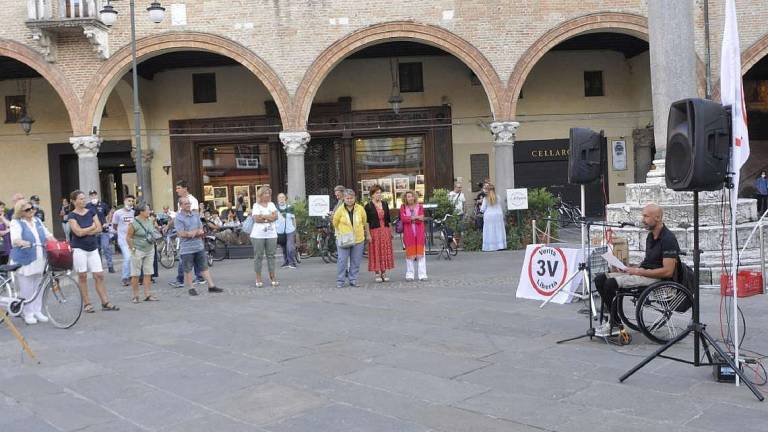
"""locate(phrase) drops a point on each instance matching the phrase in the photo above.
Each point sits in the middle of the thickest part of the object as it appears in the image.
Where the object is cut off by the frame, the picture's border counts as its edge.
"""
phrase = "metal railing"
(65, 9)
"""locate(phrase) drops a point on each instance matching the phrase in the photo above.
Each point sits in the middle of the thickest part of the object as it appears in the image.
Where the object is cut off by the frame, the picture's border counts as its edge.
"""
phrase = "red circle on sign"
(530, 271)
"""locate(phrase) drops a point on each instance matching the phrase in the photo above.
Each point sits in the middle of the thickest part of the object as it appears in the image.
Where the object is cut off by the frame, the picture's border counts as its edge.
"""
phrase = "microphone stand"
(586, 268)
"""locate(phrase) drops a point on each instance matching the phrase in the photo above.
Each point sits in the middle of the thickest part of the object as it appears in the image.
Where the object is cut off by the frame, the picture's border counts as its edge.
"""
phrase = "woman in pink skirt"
(412, 217)
(380, 256)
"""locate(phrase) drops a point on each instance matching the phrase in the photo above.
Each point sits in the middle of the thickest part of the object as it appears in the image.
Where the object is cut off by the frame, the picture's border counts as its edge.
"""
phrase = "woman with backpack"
(412, 226)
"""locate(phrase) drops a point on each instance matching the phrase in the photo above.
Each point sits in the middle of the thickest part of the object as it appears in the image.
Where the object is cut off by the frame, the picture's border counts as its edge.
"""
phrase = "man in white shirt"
(120, 221)
(456, 196)
(182, 190)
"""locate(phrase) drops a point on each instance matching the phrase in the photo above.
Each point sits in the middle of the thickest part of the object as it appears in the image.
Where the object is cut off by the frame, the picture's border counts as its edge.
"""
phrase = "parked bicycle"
(323, 244)
(567, 213)
(215, 248)
(448, 245)
(62, 301)
(167, 248)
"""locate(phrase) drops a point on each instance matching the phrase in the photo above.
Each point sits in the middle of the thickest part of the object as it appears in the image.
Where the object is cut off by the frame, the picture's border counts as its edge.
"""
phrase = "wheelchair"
(660, 311)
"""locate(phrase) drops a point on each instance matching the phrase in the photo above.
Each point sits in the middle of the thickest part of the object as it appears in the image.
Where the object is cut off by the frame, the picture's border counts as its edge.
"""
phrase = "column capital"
(504, 132)
(294, 143)
(86, 145)
(146, 155)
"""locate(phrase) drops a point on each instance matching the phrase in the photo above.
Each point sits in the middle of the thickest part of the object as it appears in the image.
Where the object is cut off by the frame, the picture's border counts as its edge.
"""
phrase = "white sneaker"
(423, 279)
(40, 317)
(604, 330)
(30, 319)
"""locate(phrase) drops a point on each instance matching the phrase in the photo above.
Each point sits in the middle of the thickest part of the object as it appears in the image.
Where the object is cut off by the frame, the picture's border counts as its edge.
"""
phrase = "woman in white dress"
(494, 232)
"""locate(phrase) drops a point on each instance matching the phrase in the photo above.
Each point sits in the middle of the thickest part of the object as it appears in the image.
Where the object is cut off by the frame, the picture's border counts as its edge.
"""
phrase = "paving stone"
(156, 409)
(415, 384)
(27, 387)
(199, 382)
(554, 385)
(266, 403)
(213, 422)
(341, 418)
(68, 412)
(430, 362)
(725, 416)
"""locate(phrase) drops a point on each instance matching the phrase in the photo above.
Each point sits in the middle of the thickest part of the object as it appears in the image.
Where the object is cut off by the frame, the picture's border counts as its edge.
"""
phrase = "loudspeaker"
(698, 145)
(585, 154)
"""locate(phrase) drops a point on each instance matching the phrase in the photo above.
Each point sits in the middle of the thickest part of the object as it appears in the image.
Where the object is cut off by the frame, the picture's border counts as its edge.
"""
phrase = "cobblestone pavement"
(457, 353)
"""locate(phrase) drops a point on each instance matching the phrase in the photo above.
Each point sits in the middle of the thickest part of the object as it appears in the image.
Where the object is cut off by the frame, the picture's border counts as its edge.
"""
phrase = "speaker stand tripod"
(701, 339)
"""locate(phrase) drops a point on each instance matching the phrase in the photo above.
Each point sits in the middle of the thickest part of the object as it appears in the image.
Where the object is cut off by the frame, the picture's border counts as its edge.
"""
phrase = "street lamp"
(26, 123)
(109, 17)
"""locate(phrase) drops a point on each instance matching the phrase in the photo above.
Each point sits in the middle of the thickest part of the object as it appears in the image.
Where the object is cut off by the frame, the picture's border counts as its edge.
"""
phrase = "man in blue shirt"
(189, 229)
(761, 184)
(102, 210)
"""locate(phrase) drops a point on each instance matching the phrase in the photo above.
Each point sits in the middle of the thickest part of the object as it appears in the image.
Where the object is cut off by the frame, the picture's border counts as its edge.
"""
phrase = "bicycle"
(62, 301)
(324, 246)
(215, 248)
(448, 245)
(168, 248)
(567, 213)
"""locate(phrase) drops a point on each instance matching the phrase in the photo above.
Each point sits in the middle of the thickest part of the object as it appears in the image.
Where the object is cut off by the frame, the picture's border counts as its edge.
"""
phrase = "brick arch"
(749, 58)
(120, 62)
(50, 73)
(393, 31)
(634, 25)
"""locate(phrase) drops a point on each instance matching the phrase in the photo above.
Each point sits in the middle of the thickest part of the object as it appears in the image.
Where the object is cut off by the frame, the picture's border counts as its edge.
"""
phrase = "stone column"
(295, 144)
(673, 61)
(87, 149)
(146, 156)
(504, 157)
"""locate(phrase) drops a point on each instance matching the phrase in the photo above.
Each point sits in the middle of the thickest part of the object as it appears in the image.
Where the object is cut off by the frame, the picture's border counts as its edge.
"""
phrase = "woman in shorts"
(84, 239)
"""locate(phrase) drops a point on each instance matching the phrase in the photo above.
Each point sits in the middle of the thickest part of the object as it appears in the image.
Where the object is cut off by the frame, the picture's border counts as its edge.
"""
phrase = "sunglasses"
(27, 209)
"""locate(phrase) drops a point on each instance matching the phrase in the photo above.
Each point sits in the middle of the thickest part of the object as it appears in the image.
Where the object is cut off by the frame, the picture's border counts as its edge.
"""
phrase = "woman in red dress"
(380, 256)
(412, 216)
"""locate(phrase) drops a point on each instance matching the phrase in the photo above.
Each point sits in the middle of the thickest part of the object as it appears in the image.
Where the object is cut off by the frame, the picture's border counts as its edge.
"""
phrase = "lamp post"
(156, 14)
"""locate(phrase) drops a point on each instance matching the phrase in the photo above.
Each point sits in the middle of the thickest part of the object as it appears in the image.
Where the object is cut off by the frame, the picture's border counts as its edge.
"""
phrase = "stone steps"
(710, 237)
(710, 213)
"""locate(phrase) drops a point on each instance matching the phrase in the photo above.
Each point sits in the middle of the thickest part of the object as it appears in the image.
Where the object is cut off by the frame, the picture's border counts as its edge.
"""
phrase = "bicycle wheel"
(627, 303)
(167, 256)
(664, 311)
(62, 301)
(322, 247)
(219, 250)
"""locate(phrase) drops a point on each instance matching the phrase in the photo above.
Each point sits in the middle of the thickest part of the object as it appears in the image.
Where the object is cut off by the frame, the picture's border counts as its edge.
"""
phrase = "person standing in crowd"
(380, 255)
(264, 234)
(5, 236)
(35, 200)
(412, 216)
(28, 236)
(141, 240)
(286, 231)
(64, 211)
(494, 233)
(121, 219)
(761, 184)
(338, 193)
(182, 191)
(240, 207)
(351, 226)
(456, 197)
(189, 228)
(479, 204)
(86, 229)
(101, 209)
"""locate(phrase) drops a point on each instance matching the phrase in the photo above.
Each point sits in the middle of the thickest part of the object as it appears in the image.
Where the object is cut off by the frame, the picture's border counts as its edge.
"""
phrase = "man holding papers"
(661, 254)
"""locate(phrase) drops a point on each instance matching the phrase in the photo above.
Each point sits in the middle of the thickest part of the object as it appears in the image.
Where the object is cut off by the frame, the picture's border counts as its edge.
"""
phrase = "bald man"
(661, 255)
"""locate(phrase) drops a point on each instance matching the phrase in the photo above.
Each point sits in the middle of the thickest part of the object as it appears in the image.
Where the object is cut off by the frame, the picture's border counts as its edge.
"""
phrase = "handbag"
(345, 240)
(248, 225)
(399, 226)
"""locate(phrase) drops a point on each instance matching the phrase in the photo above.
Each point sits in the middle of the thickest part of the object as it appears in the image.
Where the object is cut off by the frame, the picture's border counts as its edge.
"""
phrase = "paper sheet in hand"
(613, 261)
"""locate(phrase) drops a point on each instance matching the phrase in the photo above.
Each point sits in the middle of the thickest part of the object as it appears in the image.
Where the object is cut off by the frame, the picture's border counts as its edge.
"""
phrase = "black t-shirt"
(86, 243)
(657, 249)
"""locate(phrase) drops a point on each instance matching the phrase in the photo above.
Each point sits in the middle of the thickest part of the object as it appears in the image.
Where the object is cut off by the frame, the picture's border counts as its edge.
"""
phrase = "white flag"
(732, 90)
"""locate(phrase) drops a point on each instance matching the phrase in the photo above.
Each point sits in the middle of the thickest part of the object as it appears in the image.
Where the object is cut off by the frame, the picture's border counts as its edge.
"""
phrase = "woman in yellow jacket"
(351, 226)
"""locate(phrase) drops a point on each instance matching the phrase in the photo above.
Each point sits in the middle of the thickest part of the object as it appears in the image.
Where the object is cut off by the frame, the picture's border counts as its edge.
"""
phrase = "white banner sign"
(517, 199)
(545, 268)
(319, 205)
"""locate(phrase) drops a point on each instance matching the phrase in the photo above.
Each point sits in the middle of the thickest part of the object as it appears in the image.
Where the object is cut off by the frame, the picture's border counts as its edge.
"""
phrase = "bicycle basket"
(59, 254)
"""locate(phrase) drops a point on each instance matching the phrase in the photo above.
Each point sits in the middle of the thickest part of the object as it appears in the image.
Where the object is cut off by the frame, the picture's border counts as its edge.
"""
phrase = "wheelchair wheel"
(627, 303)
(664, 310)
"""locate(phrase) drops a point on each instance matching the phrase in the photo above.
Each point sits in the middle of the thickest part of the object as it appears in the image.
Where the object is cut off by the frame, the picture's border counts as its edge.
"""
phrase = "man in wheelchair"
(662, 254)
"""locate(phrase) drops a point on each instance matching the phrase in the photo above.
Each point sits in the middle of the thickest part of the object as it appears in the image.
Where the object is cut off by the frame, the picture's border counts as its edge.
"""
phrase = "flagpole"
(734, 268)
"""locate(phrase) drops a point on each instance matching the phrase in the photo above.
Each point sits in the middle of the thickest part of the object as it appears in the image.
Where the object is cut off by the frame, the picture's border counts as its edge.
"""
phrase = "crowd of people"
(90, 226)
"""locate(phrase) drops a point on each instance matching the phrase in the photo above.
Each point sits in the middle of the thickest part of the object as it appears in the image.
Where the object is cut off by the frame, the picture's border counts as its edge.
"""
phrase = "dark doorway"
(544, 163)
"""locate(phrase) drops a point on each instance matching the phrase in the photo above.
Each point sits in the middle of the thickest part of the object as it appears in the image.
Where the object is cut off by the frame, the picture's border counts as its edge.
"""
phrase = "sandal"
(88, 308)
(275, 283)
(151, 298)
(135, 300)
(379, 279)
(109, 307)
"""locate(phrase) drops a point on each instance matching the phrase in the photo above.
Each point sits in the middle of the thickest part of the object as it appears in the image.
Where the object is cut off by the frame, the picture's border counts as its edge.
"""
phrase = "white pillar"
(87, 149)
(295, 144)
(504, 157)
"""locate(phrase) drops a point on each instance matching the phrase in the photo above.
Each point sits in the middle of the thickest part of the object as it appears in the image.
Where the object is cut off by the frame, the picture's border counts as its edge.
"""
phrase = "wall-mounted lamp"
(167, 167)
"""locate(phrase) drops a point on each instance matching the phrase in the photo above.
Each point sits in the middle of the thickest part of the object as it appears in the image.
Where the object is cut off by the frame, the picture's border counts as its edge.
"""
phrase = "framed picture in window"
(207, 193)
(245, 191)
